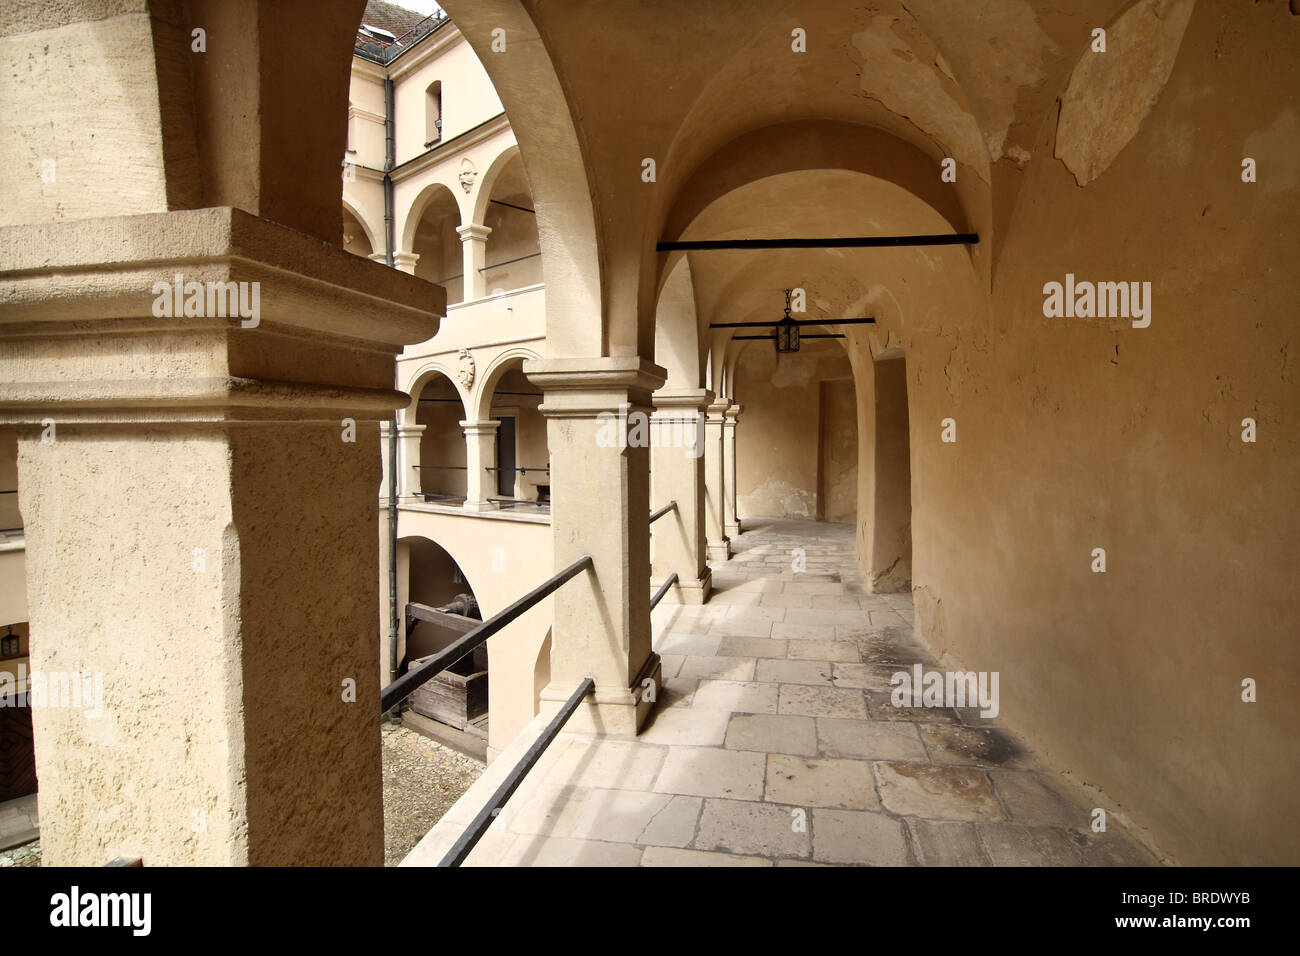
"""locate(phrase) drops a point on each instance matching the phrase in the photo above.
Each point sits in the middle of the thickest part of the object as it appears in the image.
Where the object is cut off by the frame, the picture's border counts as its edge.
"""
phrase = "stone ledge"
(90, 269)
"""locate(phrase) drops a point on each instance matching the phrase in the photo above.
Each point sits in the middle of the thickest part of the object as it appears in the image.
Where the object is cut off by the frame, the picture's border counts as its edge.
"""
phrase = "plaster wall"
(779, 440)
(1075, 434)
(502, 557)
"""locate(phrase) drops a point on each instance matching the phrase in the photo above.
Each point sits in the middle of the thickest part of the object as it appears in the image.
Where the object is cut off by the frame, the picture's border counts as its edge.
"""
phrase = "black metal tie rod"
(478, 826)
(845, 242)
(398, 690)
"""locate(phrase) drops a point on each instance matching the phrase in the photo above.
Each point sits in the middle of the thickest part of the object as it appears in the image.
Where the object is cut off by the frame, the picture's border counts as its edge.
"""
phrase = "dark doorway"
(506, 458)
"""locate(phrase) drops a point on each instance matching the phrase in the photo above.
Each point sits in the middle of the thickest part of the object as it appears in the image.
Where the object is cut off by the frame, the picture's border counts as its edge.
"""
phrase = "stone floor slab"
(712, 772)
(936, 793)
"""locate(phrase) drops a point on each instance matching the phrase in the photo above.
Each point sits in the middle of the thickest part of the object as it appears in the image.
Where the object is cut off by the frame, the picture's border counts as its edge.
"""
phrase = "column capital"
(487, 427)
(732, 413)
(262, 309)
(676, 398)
(584, 387)
(473, 231)
(404, 261)
(405, 431)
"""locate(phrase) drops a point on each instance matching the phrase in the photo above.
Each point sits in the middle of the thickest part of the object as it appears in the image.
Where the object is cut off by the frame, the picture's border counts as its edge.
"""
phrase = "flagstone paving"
(775, 742)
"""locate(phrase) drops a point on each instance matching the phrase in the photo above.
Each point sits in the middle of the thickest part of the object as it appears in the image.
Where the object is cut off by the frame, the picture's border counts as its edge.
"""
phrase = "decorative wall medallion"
(466, 371)
(467, 175)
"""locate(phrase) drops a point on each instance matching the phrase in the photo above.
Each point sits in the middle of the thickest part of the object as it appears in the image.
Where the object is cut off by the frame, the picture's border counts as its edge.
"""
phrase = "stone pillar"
(480, 456)
(408, 457)
(200, 510)
(732, 521)
(405, 261)
(677, 474)
(719, 545)
(600, 505)
(473, 240)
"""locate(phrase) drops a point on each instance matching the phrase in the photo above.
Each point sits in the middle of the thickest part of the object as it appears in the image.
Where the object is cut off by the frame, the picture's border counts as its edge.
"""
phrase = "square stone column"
(677, 474)
(473, 244)
(600, 506)
(408, 457)
(200, 509)
(718, 544)
(731, 523)
(480, 457)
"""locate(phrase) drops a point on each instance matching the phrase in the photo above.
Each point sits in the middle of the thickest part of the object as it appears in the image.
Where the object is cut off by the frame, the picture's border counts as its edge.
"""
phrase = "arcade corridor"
(775, 742)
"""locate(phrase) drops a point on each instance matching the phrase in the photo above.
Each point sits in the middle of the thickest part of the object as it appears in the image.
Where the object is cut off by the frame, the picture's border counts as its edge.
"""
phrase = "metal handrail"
(656, 515)
(401, 688)
(663, 589)
(478, 826)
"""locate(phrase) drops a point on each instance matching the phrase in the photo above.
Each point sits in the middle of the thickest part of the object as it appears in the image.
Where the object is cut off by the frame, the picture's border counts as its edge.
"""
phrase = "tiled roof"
(389, 16)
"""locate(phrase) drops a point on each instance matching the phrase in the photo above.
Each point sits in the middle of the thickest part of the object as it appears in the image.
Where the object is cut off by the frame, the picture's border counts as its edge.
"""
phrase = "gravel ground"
(422, 779)
(29, 854)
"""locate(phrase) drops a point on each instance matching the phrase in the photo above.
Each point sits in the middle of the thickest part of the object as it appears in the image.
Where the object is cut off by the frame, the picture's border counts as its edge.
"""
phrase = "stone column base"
(719, 550)
(733, 529)
(688, 592)
(608, 711)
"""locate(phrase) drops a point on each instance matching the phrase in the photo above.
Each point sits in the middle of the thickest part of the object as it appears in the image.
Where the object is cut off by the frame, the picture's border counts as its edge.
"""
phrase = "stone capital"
(473, 232)
(682, 398)
(281, 326)
(583, 388)
(479, 428)
(403, 261)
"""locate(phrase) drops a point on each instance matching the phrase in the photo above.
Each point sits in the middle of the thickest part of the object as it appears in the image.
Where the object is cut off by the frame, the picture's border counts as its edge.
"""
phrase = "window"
(433, 113)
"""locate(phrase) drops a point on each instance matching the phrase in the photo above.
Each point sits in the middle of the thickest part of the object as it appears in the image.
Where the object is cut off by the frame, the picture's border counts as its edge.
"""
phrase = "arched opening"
(797, 446)
(443, 463)
(355, 238)
(513, 253)
(435, 241)
(523, 476)
(441, 607)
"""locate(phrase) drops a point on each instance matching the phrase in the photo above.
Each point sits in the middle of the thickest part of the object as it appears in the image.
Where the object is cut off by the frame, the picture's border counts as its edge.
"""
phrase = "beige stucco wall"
(502, 557)
(1074, 434)
(781, 434)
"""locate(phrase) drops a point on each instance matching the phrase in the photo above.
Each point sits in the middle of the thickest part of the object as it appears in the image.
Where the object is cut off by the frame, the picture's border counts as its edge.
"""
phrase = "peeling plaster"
(1111, 93)
(996, 52)
(913, 89)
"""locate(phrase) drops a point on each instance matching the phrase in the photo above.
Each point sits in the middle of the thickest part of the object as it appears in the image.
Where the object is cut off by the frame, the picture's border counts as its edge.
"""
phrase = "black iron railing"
(401, 688)
(478, 826)
(377, 49)
(656, 515)
(663, 589)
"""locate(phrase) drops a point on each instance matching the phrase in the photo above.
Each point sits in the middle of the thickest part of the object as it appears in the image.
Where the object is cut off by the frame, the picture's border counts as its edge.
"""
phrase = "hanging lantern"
(9, 644)
(786, 332)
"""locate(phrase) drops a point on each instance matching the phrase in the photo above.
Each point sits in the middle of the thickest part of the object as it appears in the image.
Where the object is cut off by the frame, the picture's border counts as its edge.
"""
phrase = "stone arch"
(355, 210)
(570, 236)
(421, 378)
(425, 198)
(483, 192)
(482, 404)
(679, 344)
